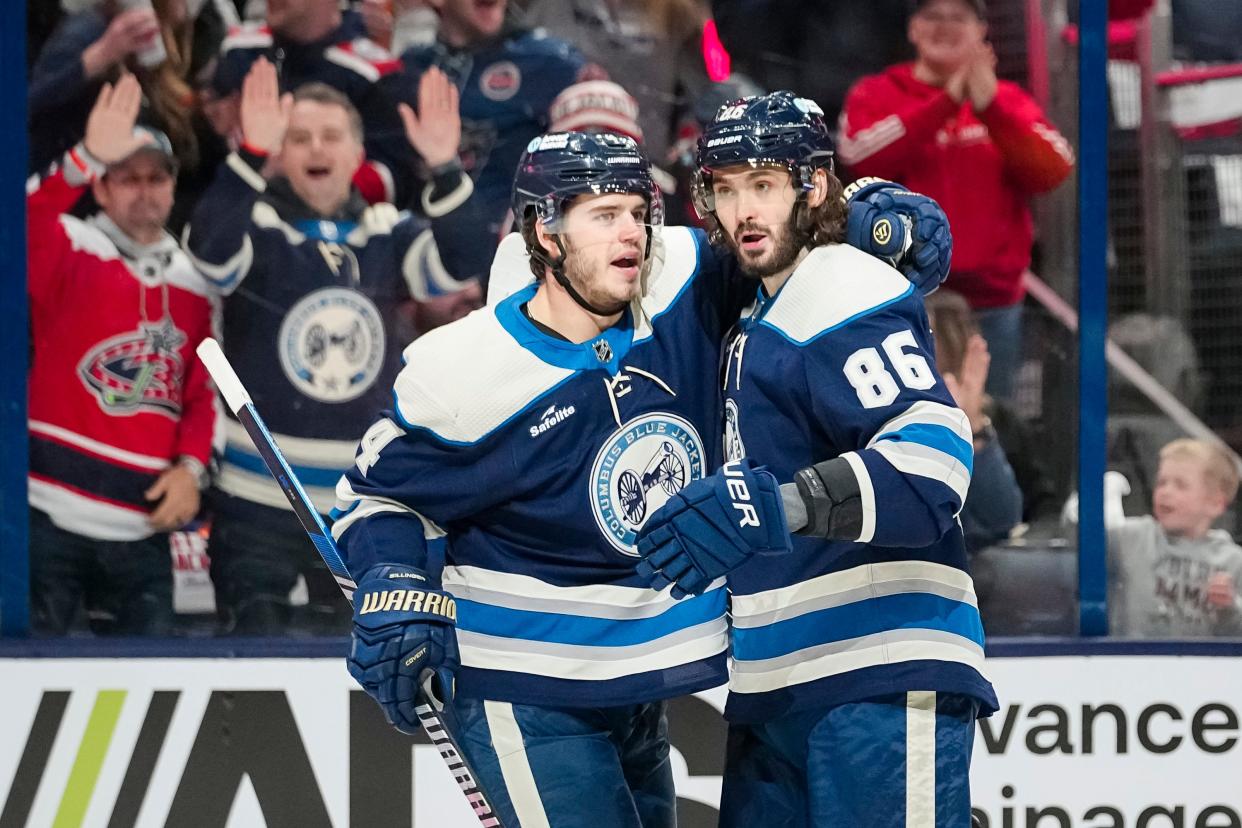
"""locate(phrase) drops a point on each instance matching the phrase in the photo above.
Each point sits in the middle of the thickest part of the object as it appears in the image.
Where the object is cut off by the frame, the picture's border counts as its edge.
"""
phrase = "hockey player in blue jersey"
(526, 446)
(535, 437)
(857, 658)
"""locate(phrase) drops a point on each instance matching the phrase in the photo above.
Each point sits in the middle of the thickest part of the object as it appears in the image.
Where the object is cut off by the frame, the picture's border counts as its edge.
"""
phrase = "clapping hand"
(981, 80)
(975, 79)
(435, 130)
(967, 385)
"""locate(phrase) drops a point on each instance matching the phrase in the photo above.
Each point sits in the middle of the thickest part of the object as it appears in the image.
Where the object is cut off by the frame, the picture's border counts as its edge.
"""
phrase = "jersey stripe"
(887, 648)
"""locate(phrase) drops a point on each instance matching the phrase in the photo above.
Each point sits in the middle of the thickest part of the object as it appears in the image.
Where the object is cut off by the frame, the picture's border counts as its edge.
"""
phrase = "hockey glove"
(905, 229)
(712, 527)
(404, 634)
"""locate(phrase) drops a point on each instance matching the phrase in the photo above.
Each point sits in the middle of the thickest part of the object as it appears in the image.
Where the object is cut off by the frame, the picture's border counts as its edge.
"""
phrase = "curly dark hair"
(825, 224)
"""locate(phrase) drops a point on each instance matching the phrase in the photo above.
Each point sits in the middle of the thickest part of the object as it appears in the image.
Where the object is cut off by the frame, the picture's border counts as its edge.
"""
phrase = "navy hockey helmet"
(778, 129)
(558, 167)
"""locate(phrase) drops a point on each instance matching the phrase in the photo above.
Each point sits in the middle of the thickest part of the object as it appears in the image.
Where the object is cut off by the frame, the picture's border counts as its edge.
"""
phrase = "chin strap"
(557, 266)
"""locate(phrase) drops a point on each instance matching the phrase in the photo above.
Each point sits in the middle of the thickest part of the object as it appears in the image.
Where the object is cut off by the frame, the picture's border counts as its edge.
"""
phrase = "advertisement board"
(1079, 741)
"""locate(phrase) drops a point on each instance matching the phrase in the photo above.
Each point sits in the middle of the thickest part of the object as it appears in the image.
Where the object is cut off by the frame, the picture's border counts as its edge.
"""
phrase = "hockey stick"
(240, 403)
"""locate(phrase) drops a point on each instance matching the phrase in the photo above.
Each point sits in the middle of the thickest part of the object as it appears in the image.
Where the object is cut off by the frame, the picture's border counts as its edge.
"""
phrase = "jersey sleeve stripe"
(933, 436)
(866, 494)
(921, 461)
(932, 413)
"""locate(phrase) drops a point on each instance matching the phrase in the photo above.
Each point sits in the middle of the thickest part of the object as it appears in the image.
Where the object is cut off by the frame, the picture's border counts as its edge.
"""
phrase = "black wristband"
(833, 500)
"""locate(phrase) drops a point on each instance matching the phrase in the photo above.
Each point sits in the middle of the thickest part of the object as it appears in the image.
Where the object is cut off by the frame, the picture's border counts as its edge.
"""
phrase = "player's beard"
(787, 245)
(578, 272)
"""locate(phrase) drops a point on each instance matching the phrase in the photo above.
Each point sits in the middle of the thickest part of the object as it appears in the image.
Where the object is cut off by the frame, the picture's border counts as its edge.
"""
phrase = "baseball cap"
(153, 140)
(978, 6)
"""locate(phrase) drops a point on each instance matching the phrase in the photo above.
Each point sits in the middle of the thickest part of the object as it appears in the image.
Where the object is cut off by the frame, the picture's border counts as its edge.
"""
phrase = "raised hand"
(110, 126)
(435, 130)
(264, 112)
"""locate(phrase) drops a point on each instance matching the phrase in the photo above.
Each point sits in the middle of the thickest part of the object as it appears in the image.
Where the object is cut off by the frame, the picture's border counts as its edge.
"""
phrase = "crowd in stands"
(318, 182)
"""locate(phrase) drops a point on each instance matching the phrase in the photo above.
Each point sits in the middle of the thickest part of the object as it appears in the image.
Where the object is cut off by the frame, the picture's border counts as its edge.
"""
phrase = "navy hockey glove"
(905, 229)
(712, 527)
(404, 634)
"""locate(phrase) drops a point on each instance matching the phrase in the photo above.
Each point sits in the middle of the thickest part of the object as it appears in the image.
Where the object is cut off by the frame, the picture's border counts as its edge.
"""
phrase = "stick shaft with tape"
(240, 404)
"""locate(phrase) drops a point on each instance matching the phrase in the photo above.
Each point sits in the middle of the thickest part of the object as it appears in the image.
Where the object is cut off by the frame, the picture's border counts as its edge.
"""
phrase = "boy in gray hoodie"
(1170, 574)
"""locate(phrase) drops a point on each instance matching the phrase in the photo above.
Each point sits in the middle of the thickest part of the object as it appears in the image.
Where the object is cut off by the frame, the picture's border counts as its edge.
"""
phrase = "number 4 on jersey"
(874, 383)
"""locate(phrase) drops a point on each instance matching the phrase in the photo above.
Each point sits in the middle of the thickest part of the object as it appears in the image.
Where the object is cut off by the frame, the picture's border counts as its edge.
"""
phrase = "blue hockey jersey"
(312, 321)
(506, 89)
(537, 460)
(840, 363)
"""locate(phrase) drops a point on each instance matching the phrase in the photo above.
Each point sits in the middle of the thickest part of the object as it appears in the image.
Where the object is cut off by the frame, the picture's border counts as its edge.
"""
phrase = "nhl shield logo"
(603, 351)
(332, 345)
(640, 466)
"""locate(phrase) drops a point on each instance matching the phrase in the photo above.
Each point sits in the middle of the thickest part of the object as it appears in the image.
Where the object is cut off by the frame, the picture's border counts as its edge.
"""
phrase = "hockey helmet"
(557, 167)
(778, 128)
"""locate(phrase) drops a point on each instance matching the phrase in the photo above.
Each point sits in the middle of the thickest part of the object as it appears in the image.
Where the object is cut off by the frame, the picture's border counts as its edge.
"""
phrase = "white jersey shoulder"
(466, 379)
(674, 261)
(833, 285)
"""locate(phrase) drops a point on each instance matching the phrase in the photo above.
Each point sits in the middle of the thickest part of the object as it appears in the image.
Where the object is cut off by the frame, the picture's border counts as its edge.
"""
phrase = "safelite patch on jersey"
(639, 467)
(332, 344)
(500, 81)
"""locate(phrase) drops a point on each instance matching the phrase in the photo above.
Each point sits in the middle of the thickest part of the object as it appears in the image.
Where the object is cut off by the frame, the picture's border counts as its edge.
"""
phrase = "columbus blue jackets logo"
(733, 447)
(135, 372)
(643, 464)
(332, 344)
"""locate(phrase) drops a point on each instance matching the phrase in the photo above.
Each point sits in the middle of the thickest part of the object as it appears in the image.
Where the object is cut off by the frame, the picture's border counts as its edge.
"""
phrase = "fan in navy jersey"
(509, 76)
(316, 284)
(857, 667)
(491, 515)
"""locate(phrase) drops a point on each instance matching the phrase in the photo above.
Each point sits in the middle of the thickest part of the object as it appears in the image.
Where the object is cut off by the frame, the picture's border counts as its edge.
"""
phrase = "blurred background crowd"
(294, 189)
